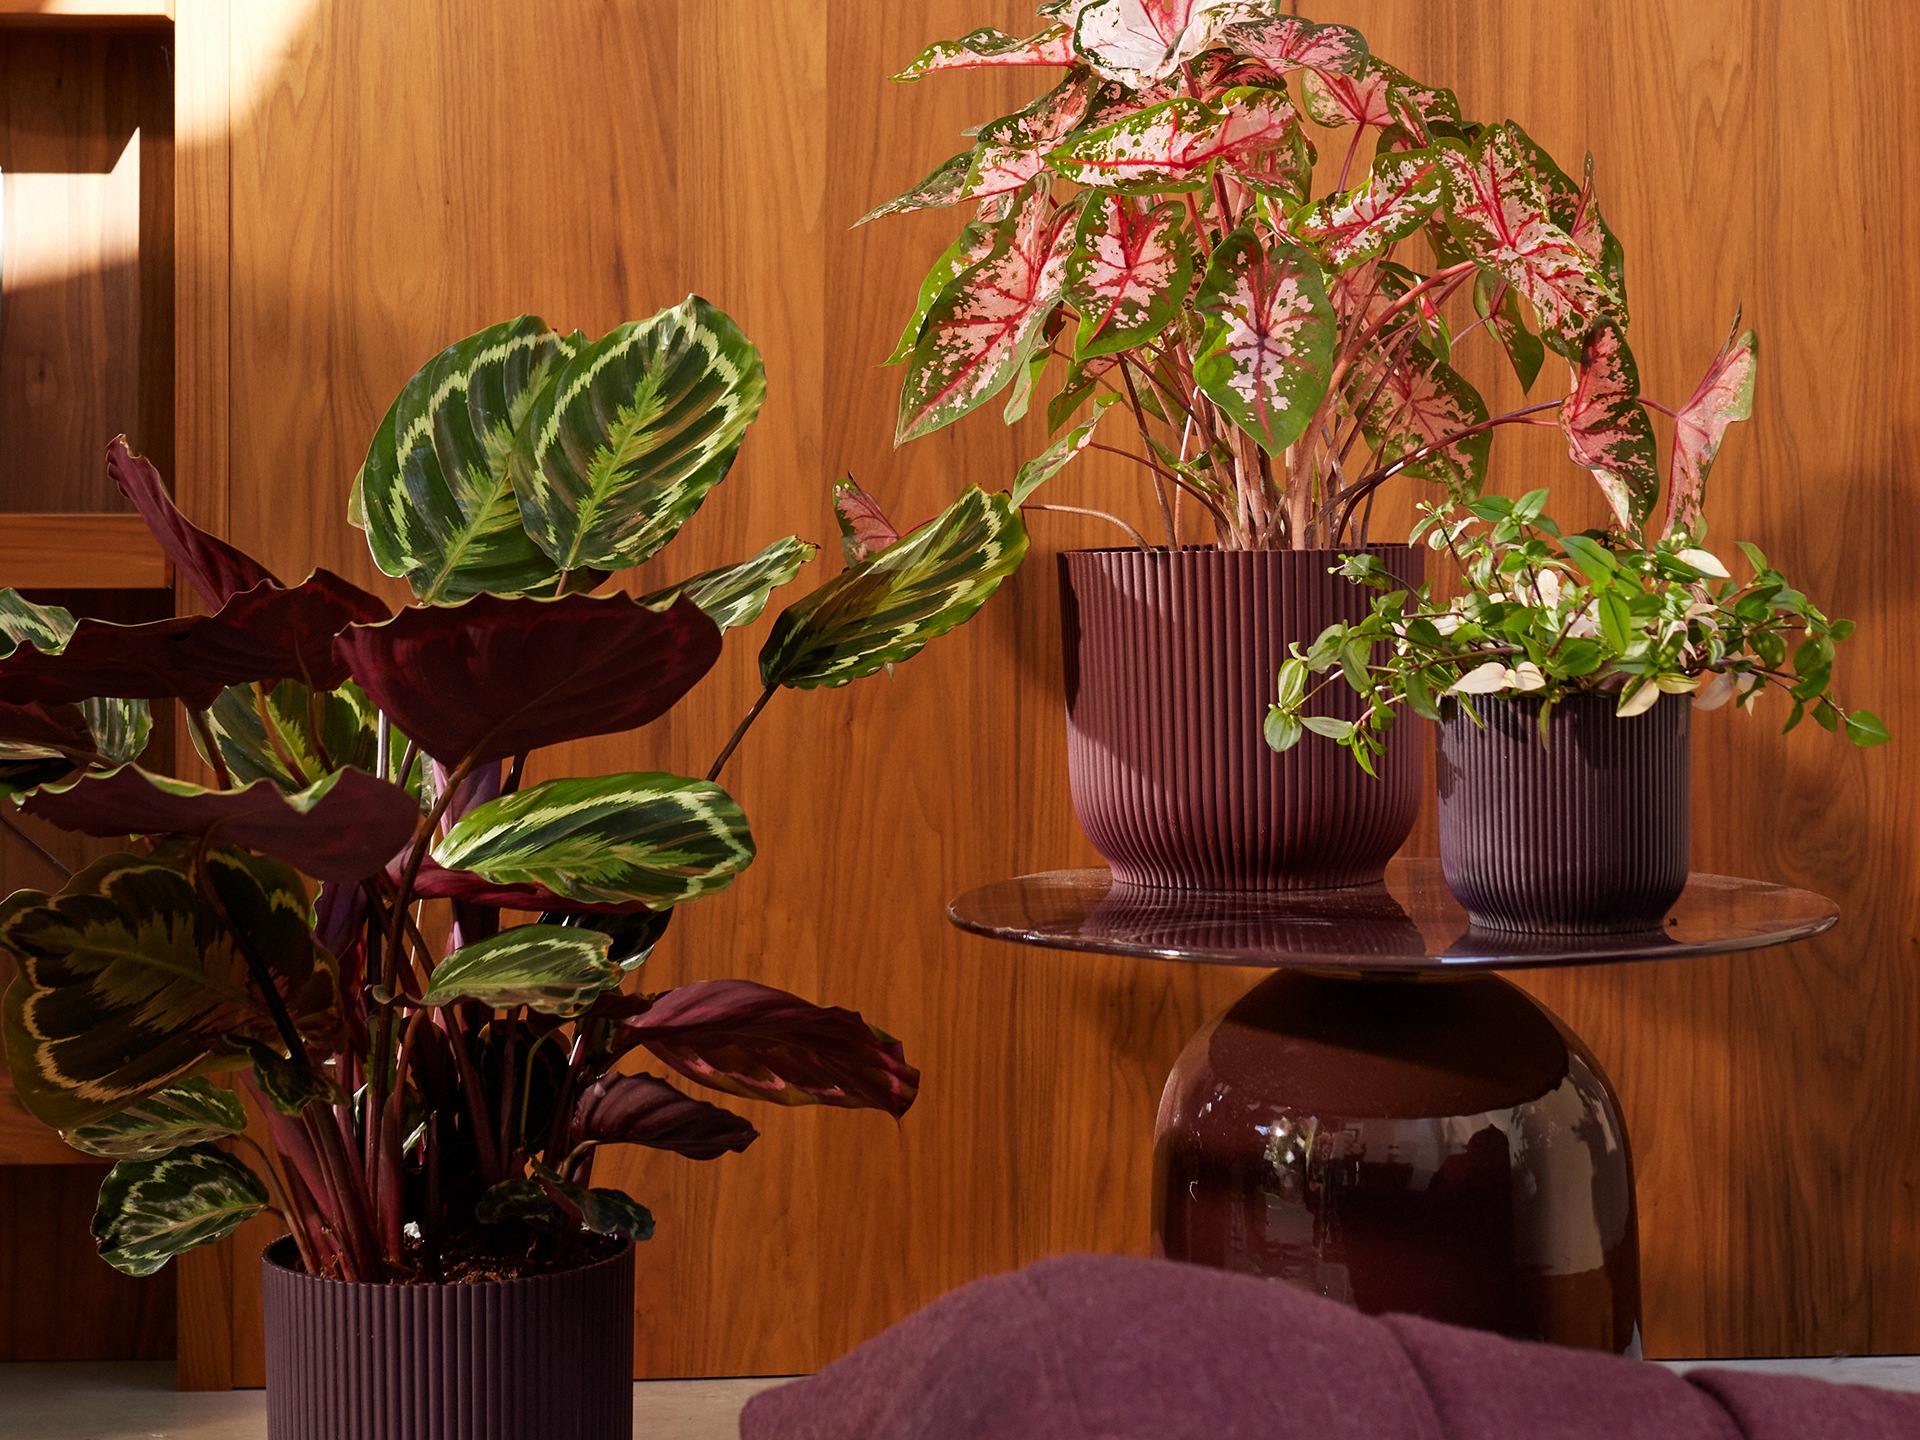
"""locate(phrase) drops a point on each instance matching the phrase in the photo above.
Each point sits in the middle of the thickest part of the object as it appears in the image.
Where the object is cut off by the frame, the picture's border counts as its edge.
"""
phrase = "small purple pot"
(1585, 835)
(1171, 662)
(549, 1357)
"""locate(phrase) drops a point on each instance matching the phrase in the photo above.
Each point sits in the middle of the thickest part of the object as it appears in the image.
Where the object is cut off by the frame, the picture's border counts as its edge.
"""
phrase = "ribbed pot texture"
(1171, 659)
(550, 1356)
(1587, 835)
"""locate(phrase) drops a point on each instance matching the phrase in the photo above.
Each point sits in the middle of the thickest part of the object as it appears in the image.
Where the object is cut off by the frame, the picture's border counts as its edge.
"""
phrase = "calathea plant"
(1617, 611)
(435, 1035)
(1152, 223)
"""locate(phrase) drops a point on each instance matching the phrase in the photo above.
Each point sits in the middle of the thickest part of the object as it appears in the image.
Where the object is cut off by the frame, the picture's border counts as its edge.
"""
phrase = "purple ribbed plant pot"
(1586, 835)
(549, 1357)
(1171, 660)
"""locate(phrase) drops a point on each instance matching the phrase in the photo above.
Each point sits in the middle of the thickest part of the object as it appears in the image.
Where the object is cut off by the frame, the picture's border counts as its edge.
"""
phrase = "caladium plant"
(1150, 229)
(433, 1089)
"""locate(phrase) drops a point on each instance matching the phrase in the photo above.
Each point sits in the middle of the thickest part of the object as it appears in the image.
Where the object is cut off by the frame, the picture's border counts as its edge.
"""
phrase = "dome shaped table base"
(1438, 1146)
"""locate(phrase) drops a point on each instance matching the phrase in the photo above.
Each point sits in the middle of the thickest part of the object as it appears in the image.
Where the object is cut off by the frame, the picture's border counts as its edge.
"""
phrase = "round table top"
(1412, 923)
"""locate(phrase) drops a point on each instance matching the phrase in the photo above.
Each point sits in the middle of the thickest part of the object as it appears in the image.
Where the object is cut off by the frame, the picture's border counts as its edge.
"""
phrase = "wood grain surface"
(398, 173)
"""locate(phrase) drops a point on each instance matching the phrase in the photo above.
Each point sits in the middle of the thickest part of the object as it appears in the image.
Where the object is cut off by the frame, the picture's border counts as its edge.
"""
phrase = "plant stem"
(273, 737)
(740, 733)
(198, 719)
(34, 845)
(1138, 538)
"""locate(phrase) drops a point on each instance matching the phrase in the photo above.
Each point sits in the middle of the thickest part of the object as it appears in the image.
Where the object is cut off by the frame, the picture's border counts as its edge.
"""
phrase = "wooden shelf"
(122, 13)
(80, 552)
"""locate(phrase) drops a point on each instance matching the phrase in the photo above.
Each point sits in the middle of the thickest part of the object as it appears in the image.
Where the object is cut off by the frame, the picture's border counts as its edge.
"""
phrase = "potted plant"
(435, 1038)
(1152, 225)
(1564, 668)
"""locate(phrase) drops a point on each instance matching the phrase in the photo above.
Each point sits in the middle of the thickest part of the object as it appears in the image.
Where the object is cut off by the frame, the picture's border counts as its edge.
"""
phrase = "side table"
(1383, 1120)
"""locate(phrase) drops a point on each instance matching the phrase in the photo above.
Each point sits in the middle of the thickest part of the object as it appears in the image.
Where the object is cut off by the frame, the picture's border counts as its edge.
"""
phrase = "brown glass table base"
(1382, 1120)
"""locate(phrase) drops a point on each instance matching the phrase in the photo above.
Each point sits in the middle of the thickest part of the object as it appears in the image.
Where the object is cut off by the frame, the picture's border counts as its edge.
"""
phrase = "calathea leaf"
(1607, 428)
(1724, 395)
(1055, 458)
(1395, 201)
(633, 935)
(642, 1110)
(1414, 402)
(864, 527)
(987, 48)
(128, 980)
(1288, 43)
(1498, 211)
(1267, 355)
(885, 609)
(659, 839)
(736, 594)
(343, 827)
(764, 1044)
(494, 676)
(984, 325)
(1175, 145)
(603, 1211)
(214, 568)
(194, 1112)
(433, 494)
(435, 883)
(554, 969)
(347, 731)
(43, 627)
(1131, 269)
(627, 438)
(120, 728)
(156, 1208)
(524, 1200)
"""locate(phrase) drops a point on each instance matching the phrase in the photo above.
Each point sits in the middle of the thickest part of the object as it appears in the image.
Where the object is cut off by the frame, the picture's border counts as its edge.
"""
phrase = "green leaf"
(736, 594)
(625, 441)
(884, 610)
(1864, 728)
(1291, 683)
(347, 730)
(605, 1212)
(156, 1208)
(1328, 726)
(661, 839)
(194, 1112)
(433, 494)
(1283, 731)
(1267, 354)
(120, 728)
(524, 1200)
(1616, 621)
(44, 627)
(1590, 555)
(1055, 458)
(555, 969)
(129, 981)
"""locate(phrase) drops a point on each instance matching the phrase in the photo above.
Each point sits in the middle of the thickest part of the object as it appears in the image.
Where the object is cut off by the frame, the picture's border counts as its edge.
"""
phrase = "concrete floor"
(138, 1402)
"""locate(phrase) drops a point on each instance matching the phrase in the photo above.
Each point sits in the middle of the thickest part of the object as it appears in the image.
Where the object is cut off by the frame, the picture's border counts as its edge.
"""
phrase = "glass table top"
(1410, 924)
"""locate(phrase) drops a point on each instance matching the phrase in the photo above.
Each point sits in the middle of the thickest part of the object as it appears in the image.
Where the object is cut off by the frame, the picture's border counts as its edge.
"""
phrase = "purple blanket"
(1103, 1348)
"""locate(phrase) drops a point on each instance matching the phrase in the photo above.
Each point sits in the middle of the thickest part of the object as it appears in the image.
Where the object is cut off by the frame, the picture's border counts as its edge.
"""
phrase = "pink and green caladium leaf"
(625, 441)
(1141, 42)
(734, 595)
(943, 187)
(1267, 355)
(1057, 456)
(552, 969)
(864, 528)
(433, 494)
(645, 1110)
(987, 48)
(494, 676)
(1287, 43)
(214, 568)
(983, 326)
(1495, 299)
(1607, 428)
(1413, 404)
(343, 827)
(1380, 96)
(1575, 211)
(764, 1044)
(156, 1207)
(886, 608)
(1176, 144)
(1394, 201)
(129, 980)
(1725, 394)
(1498, 211)
(974, 245)
(1130, 272)
(1013, 150)
(659, 839)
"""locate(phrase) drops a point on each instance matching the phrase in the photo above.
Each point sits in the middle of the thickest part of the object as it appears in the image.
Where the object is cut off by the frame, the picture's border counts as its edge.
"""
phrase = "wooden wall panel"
(403, 172)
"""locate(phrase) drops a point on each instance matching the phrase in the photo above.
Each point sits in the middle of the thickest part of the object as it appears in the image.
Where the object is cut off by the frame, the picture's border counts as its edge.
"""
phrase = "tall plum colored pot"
(1586, 834)
(548, 1357)
(1171, 660)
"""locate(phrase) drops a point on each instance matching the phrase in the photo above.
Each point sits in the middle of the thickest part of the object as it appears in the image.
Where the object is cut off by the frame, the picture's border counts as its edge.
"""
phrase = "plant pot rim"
(1220, 550)
(289, 1262)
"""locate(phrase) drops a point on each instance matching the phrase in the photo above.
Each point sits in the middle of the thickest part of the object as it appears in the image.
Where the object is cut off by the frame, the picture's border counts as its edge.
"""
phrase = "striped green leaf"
(120, 728)
(129, 980)
(44, 627)
(632, 432)
(194, 1112)
(555, 969)
(736, 594)
(433, 494)
(660, 839)
(155, 1208)
(347, 731)
(886, 608)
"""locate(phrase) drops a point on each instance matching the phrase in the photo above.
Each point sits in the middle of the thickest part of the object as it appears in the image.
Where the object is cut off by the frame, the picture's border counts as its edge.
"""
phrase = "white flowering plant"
(1544, 614)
